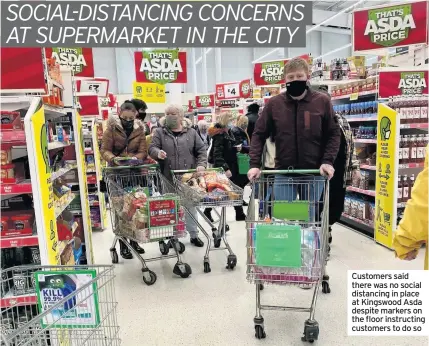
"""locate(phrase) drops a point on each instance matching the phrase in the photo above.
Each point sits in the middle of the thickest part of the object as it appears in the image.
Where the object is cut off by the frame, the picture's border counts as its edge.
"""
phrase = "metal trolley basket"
(287, 243)
(136, 221)
(68, 313)
(193, 198)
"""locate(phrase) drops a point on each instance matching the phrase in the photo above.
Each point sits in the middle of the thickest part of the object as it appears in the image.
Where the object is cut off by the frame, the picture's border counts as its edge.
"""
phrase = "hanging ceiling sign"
(79, 59)
(397, 83)
(390, 26)
(160, 66)
(99, 86)
(271, 72)
(233, 90)
(203, 101)
(192, 105)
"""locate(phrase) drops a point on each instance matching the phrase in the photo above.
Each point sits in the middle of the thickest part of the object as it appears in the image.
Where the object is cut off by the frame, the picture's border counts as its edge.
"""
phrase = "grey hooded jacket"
(186, 151)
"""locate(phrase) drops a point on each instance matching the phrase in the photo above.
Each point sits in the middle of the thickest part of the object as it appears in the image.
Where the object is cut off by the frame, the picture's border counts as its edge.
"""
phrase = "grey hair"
(175, 109)
(202, 123)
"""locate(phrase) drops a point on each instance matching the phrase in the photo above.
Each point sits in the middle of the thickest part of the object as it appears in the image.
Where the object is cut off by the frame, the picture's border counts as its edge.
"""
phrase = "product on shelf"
(412, 148)
(365, 132)
(411, 109)
(10, 120)
(405, 185)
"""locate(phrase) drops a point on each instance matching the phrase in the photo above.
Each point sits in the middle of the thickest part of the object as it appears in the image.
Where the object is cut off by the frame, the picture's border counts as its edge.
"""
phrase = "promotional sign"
(79, 59)
(192, 105)
(203, 101)
(233, 90)
(40, 140)
(149, 92)
(80, 311)
(271, 72)
(390, 26)
(22, 69)
(228, 103)
(100, 86)
(161, 66)
(163, 212)
(397, 83)
(256, 93)
(387, 171)
(89, 106)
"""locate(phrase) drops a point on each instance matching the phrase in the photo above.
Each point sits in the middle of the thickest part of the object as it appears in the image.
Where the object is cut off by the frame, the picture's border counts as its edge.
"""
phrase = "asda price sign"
(396, 83)
(161, 66)
(390, 26)
(271, 72)
(79, 59)
(203, 101)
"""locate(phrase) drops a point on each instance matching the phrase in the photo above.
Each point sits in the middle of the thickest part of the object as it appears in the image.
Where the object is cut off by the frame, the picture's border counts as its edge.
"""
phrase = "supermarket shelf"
(414, 126)
(61, 172)
(361, 191)
(58, 145)
(351, 120)
(65, 203)
(52, 112)
(411, 165)
(368, 141)
(10, 300)
(12, 242)
(16, 189)
(357, 224)
(368, 167)
(363, 93)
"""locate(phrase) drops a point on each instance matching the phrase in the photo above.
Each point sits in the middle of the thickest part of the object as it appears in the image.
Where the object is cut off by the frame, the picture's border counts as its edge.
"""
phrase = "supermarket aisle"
(218, 308)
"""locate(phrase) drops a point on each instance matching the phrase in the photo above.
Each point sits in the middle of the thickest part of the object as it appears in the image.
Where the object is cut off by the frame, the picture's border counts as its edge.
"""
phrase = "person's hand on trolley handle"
(327, 171)
(254, 173)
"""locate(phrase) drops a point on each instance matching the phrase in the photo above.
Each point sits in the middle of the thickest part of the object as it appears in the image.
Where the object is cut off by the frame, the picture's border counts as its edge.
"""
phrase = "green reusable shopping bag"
(278, 245)
(243, 161)
(295, 210)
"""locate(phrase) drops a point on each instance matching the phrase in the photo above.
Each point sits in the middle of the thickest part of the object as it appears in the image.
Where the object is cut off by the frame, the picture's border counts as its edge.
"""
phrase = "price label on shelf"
(354, 96)
(232, 90)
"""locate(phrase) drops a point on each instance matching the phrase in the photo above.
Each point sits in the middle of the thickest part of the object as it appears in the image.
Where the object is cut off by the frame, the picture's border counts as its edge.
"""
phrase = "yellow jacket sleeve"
(413, 228)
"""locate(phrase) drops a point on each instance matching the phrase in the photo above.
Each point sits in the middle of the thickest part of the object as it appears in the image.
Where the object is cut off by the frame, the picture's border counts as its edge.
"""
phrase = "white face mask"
(153, 120)
(387, 134)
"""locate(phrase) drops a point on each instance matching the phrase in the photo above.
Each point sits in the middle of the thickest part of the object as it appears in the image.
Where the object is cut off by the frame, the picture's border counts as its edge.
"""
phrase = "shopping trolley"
(144, 207)
(193, 197)
(59, 305)
(287, 243)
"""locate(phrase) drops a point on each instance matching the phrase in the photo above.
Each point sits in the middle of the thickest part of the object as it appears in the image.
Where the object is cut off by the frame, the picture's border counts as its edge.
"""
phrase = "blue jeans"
(309, 188)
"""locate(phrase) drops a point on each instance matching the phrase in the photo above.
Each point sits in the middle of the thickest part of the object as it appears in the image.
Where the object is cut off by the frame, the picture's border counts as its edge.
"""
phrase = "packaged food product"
(4, 224)
(21, 222)
(202, 182)
(186, 177)
(5, 154)
(10, 120)
(7, 172)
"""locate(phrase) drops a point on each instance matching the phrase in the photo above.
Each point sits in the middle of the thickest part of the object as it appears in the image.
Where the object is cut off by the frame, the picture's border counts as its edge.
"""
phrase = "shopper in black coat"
(252, 115)
(223, 154)
(241, 137)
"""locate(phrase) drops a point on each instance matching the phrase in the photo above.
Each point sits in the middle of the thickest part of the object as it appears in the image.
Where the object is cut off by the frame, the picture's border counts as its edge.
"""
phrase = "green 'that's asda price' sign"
(389, 26)
(160, 66)
(272, 72)
(412, 83)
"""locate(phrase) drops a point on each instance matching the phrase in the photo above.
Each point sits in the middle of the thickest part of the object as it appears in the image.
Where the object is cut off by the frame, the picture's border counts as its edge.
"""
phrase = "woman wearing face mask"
(223, 154)
(202, 128)
(124, 137)
(177, 146)
(141, 107)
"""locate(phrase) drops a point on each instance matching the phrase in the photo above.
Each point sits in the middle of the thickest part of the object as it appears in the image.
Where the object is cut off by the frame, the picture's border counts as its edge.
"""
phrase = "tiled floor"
(218, 308)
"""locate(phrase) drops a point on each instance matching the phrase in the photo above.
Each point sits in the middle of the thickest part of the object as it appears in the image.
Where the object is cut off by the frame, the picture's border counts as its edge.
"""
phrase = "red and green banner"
(161, 66)
(204, 101)
(271, 72)
(192, 105)
(390, 26)
(79, 59)
(396, 83)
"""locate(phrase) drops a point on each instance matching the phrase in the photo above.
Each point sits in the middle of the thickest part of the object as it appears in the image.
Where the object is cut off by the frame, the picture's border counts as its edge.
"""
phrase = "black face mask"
(296, 88)
(142, 115)
(127, 124)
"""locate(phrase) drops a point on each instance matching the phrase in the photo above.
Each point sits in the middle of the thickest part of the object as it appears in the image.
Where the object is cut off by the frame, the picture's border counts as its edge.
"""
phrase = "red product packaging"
(12, 173)
(10, 120)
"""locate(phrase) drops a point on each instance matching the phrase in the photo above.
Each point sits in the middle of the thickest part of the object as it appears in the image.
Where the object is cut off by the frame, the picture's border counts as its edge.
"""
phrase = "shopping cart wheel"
(114, 255)
(231, 262)
(207, 268)
(182, 269)
(259, 332)
(149, 277)
(325, 284)
(182, 247)
(164, 248)
(311, 331)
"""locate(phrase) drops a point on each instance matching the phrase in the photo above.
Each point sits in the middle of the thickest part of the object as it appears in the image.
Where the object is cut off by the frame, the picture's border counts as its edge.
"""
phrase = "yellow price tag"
(354, 96)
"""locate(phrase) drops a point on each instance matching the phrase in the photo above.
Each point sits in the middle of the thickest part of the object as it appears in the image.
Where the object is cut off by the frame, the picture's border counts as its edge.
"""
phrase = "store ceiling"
(335, 5)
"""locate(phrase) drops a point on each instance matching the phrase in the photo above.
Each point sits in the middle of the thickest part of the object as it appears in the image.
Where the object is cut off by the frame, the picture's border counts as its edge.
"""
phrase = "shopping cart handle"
(180, 171)
(114, 168)
(291, 171)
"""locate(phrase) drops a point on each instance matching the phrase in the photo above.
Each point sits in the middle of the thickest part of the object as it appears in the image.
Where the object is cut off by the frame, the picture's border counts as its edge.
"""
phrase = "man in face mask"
(307, 135)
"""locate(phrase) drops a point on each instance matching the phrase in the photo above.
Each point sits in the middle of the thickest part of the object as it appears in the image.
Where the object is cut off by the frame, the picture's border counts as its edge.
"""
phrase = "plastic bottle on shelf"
(417, 109)
(400, 189)
(60, 133)
(421, 149)
(405, 190)
(405, 150)
(413, 149)
(401, 147)
(424, 109)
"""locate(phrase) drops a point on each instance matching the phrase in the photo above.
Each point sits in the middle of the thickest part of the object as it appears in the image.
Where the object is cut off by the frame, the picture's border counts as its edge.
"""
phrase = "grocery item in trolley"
(210, 187)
